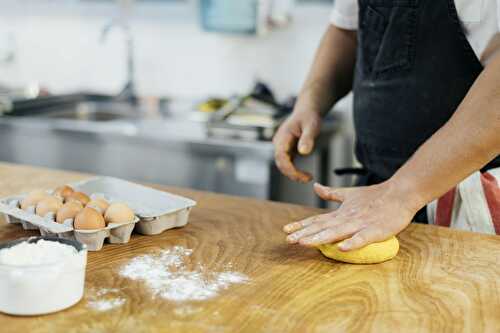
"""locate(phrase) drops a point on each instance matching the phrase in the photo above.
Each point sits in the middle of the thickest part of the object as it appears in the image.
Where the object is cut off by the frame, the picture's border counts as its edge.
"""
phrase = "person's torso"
(480, 19)
(414, 67)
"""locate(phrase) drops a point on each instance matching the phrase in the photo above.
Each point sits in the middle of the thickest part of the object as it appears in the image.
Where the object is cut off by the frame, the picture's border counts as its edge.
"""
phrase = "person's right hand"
(296, 134)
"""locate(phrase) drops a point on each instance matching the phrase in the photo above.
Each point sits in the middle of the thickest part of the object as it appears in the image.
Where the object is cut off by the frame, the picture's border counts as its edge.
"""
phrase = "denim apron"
(414, 66)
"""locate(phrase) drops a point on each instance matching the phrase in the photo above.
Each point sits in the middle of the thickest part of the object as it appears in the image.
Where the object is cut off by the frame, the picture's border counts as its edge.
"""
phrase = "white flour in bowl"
(39, 253)
(41, 277)
(167, 276)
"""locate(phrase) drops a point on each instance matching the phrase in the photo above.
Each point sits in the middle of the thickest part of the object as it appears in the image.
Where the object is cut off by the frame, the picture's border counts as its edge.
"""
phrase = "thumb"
(331, 194)
(306, 141)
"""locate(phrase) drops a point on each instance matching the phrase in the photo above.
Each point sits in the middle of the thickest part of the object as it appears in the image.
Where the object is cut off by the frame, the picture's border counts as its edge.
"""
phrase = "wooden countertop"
(441, 281)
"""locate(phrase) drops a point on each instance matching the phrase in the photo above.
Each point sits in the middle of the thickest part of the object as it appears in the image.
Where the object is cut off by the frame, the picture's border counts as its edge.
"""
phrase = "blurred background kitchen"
(177, 92)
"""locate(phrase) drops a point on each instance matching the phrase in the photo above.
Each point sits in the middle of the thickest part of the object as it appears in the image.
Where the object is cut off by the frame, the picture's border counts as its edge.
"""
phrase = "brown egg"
(33, 198)
(63, 191)
(79, 196)
(119, 213)
(68, 211)
(98, 204)
(48, 205)
(89, 219)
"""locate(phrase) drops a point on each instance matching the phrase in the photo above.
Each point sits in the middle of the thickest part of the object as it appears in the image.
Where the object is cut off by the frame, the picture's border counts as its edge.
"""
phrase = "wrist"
(406, 192)
(315, 98)
(307, 104)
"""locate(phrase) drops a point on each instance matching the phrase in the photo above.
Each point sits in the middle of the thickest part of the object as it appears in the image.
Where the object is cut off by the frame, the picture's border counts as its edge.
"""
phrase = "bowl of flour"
(40, 275)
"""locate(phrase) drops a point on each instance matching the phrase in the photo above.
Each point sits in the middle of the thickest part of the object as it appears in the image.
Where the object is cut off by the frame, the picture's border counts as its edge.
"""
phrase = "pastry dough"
(371, 254)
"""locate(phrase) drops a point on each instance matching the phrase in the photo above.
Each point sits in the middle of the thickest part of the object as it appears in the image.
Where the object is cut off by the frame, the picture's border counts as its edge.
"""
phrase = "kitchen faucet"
(128, 92)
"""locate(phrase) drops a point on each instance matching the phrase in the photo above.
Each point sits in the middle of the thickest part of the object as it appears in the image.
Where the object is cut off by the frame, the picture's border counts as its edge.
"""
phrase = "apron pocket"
(387, 48)
(372, 30)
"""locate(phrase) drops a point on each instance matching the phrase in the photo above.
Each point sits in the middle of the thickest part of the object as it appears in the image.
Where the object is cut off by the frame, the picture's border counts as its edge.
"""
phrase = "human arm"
(329, 79)
(468, 141)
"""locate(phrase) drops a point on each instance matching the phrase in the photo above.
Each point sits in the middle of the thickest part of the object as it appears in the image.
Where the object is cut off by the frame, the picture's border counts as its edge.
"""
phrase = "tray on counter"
(155, 211)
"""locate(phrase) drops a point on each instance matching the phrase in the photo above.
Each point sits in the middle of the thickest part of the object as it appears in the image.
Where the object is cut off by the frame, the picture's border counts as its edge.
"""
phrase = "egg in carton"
(157, 211)
(94, 238)
(153, 211)
(94, 234)
(48, 225)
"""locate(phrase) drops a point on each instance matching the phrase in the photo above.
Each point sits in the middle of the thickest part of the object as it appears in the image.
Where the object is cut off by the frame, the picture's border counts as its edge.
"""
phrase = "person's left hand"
(367, 215)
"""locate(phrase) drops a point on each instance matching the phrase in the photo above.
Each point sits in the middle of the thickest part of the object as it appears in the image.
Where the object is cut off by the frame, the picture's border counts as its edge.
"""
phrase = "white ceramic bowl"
(41, 289)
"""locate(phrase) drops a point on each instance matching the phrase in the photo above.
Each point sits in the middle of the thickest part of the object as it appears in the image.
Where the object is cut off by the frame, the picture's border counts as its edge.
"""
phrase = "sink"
(92, 111)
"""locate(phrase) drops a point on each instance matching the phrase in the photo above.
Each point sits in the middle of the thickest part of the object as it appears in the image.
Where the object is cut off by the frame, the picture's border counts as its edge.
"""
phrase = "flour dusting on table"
(102, 301)
(167, 276)
(106, 304)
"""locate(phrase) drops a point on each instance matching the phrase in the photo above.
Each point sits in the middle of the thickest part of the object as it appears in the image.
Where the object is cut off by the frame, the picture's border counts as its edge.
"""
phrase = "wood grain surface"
(441, 281)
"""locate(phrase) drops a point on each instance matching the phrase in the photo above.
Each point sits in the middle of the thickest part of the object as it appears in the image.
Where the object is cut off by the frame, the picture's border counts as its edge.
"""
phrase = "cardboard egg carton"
(155, 212)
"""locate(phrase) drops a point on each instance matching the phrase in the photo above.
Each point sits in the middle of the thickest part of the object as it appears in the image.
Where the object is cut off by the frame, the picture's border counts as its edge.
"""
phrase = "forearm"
(331, 75)
(467, 142)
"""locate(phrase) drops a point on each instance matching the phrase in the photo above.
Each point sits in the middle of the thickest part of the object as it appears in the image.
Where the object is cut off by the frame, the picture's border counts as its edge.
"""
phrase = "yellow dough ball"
(371, 254)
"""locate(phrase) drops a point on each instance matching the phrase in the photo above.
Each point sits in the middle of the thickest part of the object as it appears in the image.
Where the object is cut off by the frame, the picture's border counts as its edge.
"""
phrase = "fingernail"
(343, 246)
(303, 148)
(291, 238)
(319, 185)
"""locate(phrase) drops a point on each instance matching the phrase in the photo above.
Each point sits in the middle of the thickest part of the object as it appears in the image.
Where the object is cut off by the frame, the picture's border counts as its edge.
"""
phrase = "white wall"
(57, 44)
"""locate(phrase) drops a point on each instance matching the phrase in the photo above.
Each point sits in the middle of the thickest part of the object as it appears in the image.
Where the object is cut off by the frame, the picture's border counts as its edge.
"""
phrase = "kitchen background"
(58, 45)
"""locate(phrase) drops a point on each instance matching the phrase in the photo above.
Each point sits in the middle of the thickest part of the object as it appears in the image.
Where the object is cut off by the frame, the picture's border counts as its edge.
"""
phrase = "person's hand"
(296, 134)
(367, 215)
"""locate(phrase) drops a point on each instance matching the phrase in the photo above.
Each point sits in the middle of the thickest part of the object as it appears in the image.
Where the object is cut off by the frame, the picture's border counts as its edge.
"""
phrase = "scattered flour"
(167, 276)
(186, 311)
(106, 304)
(105, 291)
(39, 253)
(102, 302)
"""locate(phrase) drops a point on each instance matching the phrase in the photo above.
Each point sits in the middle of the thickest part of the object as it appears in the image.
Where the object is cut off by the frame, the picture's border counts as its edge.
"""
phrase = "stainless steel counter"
(166, 150)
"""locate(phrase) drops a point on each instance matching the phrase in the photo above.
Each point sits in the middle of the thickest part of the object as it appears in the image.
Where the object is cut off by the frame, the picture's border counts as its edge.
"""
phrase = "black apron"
(414, 66)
